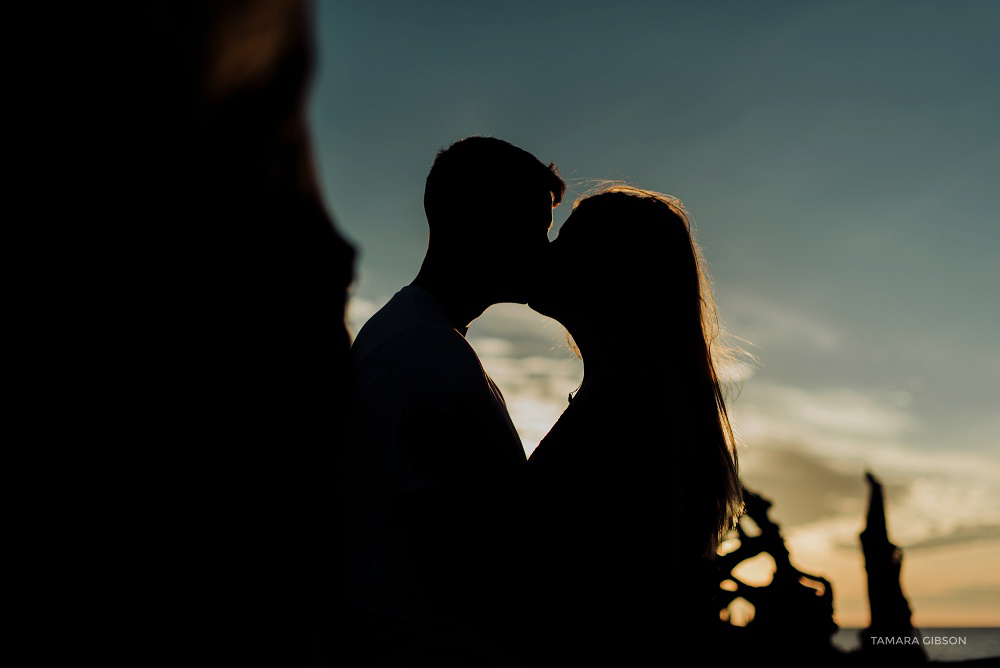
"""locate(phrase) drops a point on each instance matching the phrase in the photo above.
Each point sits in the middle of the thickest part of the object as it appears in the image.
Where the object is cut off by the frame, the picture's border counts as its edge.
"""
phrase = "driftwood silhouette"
(890, 611)
(793, 614)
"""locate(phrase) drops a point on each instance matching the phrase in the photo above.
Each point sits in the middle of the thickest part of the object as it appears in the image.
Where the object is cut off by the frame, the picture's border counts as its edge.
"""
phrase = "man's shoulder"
(420, 344)
(412, 327)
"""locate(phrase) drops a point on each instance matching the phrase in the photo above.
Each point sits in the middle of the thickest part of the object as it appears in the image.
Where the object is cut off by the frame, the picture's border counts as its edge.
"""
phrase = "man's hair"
(466, 170)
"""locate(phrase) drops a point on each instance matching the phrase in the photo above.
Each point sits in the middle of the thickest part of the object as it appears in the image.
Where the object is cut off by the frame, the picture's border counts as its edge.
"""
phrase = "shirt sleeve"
(421, 406)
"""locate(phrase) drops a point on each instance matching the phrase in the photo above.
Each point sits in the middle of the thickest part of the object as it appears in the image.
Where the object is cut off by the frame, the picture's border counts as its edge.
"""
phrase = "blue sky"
(841, 162)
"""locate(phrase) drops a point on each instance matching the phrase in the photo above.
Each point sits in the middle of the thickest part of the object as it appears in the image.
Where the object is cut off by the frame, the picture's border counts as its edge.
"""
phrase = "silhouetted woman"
(638, 479)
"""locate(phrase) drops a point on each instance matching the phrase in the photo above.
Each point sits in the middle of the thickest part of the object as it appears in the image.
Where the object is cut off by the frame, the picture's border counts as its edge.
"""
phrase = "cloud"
(866, 427)
(535, 387)
(985, 594)
(945, 508)
(802, 487)
(534, 418)
(772, 325)
(838, 423)
(840, 411)
(359, 310)
(527, 332)
(487, 346)
(959, 536)
(809, 448)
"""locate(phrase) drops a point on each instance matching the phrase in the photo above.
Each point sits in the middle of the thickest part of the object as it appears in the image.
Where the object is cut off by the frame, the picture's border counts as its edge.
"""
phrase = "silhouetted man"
(434, 507)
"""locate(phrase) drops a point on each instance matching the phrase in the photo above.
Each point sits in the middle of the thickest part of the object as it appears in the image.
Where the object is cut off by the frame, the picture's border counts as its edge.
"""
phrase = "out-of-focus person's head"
(489, 208)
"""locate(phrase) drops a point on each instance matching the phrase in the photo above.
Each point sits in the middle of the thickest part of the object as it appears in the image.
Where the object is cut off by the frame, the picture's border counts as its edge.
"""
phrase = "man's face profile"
(521, 242)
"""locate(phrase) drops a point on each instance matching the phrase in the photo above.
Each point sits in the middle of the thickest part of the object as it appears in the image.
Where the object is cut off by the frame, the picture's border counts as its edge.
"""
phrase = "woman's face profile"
(598, 263)
(566, 270)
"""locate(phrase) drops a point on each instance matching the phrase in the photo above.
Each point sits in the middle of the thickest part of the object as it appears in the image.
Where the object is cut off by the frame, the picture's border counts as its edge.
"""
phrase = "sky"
(841, 163)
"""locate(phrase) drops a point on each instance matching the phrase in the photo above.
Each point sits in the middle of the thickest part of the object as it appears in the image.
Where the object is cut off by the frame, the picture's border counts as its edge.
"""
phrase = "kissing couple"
(598, 547)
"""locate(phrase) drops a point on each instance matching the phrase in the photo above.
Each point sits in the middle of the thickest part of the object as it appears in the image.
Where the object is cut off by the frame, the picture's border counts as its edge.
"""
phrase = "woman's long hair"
(649, 239)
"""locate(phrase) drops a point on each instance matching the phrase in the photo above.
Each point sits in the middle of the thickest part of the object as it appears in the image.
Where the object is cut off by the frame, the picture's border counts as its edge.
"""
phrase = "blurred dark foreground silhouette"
(208, 352)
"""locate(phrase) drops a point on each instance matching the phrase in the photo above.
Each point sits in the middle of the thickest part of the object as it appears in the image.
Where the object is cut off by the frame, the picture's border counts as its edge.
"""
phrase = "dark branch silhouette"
(793, 614)
(890, 611)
